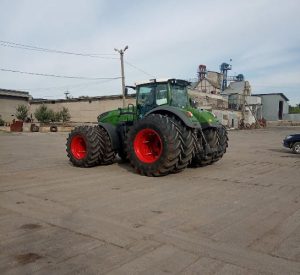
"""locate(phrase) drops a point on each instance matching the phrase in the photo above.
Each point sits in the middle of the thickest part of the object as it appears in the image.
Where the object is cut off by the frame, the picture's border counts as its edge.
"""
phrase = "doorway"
(280, 111)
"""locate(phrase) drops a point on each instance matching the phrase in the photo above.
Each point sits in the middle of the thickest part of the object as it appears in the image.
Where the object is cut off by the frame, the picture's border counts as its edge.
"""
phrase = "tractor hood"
(206, 119)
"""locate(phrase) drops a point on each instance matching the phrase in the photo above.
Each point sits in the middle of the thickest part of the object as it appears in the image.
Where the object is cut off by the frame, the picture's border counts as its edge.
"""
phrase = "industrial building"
(231, 102)
(275, 106)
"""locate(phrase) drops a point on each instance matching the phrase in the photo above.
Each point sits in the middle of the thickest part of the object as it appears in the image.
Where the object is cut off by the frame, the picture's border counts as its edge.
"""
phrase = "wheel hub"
(78, 147)
(147, 145)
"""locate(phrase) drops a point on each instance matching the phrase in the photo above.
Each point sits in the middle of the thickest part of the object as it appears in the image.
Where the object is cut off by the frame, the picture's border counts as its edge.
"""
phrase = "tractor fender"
(209, 125)
(173, 111)
(113, 134)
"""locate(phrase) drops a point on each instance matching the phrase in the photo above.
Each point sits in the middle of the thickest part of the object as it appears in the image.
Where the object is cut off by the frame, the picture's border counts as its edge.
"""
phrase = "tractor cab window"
(179, 96)
(150, 96)
(161, 94)
(146, 95)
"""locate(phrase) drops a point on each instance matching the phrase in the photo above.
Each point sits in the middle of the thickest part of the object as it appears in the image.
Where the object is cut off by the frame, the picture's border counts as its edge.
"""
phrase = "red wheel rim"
(78, 147)
(147, 145)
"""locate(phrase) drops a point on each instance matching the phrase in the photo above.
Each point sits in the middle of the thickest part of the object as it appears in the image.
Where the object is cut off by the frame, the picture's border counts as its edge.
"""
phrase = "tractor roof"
(159, 80)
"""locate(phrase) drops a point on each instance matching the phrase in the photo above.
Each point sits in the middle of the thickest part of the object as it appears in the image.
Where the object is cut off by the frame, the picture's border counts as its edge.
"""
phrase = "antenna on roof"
(67, 94)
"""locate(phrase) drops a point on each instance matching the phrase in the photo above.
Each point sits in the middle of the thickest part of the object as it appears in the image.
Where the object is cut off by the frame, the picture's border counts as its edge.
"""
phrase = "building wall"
(228, 118)
(8, 107)
(208, 101)
(271, 106)
(83, 111)
(238, 87)
(210, 84)
(292, 117)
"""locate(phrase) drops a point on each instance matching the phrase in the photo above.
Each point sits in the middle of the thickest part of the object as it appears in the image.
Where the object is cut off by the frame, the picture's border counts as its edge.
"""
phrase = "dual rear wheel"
(88, 146)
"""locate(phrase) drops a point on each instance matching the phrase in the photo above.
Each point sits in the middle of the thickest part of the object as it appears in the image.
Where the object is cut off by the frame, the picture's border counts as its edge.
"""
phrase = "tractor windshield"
(179, 96)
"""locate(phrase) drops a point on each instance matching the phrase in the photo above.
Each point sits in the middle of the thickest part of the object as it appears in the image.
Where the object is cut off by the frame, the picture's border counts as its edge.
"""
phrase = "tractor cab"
(155, 93)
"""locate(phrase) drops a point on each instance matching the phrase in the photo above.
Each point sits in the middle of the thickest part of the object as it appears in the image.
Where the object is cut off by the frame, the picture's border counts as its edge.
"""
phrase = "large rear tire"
(83, 146)
(222, 143)
(153, 145)
(217, 139)
(187, 146)
(107, 154)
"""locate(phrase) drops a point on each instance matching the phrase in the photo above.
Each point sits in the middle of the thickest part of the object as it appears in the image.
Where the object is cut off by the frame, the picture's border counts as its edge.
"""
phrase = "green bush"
(22, 112)
(294, 110)
(57, 116)
(65, 115)
(44, 114)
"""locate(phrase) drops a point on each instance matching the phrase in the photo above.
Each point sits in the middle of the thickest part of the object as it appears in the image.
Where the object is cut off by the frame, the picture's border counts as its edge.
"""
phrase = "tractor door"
(150, 96)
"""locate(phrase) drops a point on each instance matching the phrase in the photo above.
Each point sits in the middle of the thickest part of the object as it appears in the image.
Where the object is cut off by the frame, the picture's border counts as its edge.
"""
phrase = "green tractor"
(163, 133)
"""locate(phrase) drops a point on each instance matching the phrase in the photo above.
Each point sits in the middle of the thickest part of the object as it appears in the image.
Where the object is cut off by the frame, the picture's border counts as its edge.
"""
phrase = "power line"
(137, 68)
(59, 76)
(39, 49)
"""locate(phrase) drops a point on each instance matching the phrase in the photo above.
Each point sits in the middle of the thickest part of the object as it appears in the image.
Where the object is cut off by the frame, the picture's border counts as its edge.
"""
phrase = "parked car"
(292, 142)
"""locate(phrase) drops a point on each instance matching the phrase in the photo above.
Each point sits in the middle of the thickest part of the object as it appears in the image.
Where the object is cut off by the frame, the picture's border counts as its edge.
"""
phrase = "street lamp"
(121, 52)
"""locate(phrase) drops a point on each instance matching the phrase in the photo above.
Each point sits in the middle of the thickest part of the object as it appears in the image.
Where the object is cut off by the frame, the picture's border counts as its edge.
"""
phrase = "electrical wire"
(59, 76)
(137, 68)
(39, 49)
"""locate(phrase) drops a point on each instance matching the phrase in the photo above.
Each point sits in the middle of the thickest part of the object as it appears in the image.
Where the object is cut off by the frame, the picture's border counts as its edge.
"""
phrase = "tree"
(43, 114)
(57, 116)
(65, 114)
(22, 112)
(294, 110)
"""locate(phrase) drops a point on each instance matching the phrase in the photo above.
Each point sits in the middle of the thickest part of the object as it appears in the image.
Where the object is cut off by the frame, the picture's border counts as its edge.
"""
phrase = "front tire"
(153, 145)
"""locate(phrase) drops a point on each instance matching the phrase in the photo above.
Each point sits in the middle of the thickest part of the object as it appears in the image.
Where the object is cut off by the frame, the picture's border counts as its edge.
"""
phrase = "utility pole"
(121, 52)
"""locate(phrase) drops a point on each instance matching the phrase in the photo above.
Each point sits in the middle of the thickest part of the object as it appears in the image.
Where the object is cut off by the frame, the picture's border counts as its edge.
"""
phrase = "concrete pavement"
(238, 216)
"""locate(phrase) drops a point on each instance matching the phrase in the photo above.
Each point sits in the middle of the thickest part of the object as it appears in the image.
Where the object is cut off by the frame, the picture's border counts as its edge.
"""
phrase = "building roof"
(159, 80)
(281, 94)
(14, 93)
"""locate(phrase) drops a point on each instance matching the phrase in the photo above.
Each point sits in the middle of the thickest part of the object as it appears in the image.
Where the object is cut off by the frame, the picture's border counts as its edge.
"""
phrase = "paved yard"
(238, 216)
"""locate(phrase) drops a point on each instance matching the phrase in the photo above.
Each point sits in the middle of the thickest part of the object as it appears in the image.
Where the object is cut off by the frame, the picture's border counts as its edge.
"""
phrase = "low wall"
(83, 111)
(292, 117)
(282, 123)
(228, 118)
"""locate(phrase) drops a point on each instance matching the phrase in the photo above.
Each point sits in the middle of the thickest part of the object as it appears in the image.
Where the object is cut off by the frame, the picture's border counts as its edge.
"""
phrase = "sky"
(164, 38)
